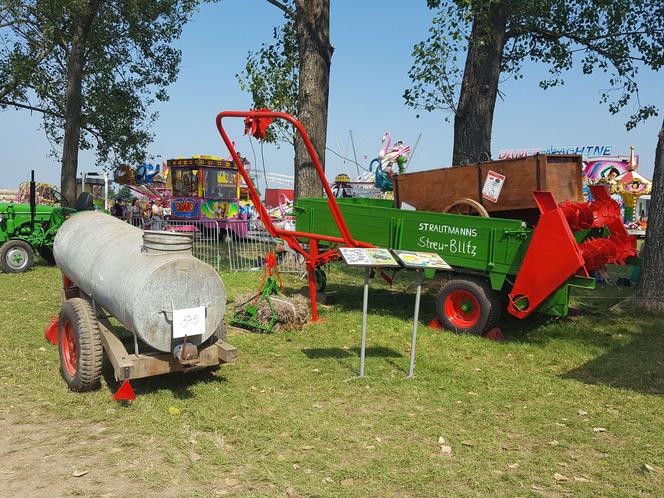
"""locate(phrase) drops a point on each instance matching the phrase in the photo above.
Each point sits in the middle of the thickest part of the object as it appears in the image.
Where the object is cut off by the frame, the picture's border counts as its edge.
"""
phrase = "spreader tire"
(16, 256)
(79, 342)
(321, 279)
(467, 305)
(46, 254)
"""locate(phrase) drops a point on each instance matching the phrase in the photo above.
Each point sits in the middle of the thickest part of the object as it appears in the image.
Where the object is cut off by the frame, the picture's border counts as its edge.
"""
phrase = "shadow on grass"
(636, 364)
(387, 302)
(378, 351)
(179, 383)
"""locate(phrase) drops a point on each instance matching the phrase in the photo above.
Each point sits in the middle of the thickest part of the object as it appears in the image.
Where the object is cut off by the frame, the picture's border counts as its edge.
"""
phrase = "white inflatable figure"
(389, 156)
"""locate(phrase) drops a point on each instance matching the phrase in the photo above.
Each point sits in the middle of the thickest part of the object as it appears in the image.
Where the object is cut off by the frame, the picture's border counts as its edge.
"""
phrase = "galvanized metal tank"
(140, 282)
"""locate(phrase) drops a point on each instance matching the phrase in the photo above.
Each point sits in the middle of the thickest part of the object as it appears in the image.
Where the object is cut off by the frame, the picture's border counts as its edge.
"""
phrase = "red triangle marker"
(435, 324)
(125, 393)
(51, 332)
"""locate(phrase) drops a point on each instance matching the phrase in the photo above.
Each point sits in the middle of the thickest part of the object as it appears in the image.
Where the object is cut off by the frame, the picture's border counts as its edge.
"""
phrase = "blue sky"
(373, 41)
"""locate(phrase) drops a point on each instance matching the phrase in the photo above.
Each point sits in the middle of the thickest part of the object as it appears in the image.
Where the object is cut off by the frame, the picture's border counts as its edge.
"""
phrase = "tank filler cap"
(166, 242)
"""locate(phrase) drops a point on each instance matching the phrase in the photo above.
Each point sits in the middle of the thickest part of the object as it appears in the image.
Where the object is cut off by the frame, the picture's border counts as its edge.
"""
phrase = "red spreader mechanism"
(554, 256)
(125, 393)
(256, 124)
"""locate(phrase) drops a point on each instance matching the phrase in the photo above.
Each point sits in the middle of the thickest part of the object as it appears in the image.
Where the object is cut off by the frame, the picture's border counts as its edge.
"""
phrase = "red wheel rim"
(462, 308)
(69, 348)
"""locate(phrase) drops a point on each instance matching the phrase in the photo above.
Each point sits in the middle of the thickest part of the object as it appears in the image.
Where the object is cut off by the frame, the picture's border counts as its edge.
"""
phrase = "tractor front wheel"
(16, 256)
(467, 305)
(79, 342)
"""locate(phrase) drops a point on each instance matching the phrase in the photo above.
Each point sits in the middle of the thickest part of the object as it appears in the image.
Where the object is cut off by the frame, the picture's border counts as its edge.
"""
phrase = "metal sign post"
(419, 261)
(365, 302)
(366, 258)
(416, 317)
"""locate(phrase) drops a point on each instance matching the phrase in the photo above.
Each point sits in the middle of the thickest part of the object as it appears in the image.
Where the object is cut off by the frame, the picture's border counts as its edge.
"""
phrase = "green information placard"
(368, 256)
(423, 260)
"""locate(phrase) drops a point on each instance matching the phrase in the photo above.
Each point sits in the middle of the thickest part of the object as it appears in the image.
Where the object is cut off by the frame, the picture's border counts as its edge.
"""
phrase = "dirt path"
(58, 460)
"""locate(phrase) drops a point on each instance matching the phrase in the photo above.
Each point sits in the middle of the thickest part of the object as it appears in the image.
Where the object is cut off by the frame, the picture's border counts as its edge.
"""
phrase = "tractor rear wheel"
(467, 305)
(16, 256)
(79, 342)
(46, 254)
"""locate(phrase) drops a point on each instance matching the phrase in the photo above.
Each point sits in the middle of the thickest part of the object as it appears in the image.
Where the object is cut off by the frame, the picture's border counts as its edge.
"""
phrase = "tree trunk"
(315, 50)
(474, 116)
(649, 292)
(75, 68)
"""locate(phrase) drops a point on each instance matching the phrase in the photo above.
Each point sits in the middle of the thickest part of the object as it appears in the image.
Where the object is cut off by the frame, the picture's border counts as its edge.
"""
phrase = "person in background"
(116, 209)
(157, 215)
(136, 214)
(147, 212)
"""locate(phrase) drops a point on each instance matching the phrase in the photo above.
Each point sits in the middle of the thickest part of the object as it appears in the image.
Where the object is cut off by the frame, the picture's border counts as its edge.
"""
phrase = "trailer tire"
(16, 256)
(468, 305)
(321, 279)
(79, 343)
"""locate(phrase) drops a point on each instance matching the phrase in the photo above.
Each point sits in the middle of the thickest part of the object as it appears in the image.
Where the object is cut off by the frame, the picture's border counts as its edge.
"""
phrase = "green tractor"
(26, 229)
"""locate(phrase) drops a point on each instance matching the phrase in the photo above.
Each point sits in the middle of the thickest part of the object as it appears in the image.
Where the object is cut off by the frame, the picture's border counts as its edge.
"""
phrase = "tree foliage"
(292, 74)
(128, 63)
(124, 194)
(612, 37)
(271, 76)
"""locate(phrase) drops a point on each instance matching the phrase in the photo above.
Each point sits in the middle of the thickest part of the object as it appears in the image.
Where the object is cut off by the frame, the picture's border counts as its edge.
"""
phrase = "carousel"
(627, 185)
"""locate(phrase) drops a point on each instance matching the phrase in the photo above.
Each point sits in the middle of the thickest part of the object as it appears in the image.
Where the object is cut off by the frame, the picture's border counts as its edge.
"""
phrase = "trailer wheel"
(467, 305)
(468, 207)
(16, 256)
(321, 279)
(79, 340)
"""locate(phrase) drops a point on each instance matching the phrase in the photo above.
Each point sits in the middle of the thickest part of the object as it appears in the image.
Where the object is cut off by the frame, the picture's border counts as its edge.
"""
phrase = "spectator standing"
(157, 215)
(136, 214)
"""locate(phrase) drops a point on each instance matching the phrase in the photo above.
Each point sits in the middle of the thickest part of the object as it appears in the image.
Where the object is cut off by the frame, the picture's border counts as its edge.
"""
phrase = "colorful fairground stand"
(198, 189)
(626, 184)
(147, 180)
(45, 194)
(207, 188)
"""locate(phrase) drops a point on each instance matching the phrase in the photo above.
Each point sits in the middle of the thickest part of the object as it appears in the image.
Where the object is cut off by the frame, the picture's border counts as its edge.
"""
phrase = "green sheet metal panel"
(484, 244)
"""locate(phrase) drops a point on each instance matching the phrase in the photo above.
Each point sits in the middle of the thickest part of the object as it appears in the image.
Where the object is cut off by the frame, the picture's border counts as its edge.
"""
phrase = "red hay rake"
(256, 124)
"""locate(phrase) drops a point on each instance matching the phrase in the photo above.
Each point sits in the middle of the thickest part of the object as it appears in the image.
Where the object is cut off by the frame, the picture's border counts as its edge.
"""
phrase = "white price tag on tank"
(188, 322)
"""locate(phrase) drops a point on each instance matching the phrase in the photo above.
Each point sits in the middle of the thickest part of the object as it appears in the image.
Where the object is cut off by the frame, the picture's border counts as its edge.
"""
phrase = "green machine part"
(246, 315)
(494, 247)
(16, 223)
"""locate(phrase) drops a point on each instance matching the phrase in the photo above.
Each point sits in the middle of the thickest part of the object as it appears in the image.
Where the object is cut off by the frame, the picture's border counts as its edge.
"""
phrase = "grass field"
(564, 407)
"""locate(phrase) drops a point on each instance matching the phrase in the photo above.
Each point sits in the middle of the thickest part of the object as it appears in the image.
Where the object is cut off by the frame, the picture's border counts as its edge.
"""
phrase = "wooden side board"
(434, 190)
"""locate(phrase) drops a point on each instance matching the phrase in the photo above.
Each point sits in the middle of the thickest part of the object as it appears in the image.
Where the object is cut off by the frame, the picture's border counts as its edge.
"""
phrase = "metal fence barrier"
(249, 243)
(236, 245)
(207, 237)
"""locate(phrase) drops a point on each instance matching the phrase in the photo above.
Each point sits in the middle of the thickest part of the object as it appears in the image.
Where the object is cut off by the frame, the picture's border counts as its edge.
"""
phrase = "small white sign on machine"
(188, 322)
(492, 186)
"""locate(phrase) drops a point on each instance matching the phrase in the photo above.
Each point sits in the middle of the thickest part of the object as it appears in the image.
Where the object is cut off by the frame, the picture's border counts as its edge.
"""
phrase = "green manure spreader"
(497, 263)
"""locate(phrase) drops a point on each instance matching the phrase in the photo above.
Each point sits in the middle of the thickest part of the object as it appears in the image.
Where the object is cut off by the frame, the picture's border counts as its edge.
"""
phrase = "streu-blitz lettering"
(447, 229)
(454, 246)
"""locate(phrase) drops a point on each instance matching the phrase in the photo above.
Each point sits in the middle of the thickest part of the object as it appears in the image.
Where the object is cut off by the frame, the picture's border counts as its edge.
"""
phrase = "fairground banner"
(584, 150)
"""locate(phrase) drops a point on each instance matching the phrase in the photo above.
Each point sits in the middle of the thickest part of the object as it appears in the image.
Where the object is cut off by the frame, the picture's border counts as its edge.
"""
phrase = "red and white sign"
(492, 186)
